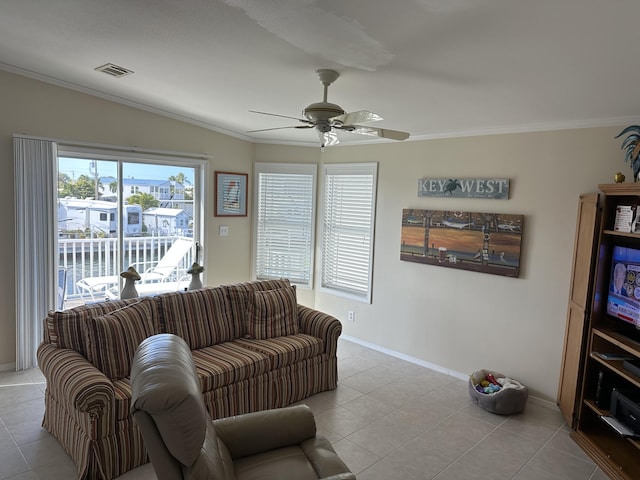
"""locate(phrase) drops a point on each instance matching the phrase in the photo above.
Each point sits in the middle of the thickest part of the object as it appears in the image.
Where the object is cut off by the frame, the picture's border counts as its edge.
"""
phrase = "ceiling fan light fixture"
(323, 126)
(328, 139)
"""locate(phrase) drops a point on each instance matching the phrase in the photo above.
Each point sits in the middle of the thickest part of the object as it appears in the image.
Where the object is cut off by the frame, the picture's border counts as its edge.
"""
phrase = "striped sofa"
(254, 347)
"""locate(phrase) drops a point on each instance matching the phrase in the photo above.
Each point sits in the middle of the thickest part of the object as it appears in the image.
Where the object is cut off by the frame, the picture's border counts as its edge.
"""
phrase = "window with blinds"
(348, 226)
(284, 222)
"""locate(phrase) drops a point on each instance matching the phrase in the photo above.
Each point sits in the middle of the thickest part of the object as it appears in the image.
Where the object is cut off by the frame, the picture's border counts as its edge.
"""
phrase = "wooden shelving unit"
(617, 456)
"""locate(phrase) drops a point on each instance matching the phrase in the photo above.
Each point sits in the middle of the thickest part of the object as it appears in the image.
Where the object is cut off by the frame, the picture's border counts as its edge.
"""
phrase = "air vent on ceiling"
(114, 70)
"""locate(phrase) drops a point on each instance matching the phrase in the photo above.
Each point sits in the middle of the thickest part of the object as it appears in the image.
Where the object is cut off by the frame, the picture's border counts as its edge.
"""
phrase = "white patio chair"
(165, 270)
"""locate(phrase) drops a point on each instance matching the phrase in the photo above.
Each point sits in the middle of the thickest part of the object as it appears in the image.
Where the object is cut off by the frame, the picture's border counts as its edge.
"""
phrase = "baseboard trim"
(8, 367)
(432, 366)
(402, 356)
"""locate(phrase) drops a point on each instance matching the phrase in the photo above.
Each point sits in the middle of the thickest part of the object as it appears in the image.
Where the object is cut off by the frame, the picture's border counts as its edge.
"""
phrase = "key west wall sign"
(493, 188)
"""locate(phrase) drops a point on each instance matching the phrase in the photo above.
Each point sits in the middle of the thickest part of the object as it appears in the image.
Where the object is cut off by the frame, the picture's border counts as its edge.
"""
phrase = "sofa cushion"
(227, 363)
(114, 337)
(272, 313)
(284, 351)
(238, 295)
(200, 317)
(67, 328)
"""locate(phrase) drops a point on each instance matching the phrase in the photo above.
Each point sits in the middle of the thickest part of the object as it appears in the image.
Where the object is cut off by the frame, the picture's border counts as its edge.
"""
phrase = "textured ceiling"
(432, 68)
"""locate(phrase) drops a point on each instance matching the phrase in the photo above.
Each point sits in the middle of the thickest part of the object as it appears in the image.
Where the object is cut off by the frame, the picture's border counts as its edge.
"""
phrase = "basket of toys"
(497, 393)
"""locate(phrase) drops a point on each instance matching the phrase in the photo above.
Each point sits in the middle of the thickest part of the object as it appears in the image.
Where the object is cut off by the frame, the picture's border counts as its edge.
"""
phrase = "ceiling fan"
(327, 118)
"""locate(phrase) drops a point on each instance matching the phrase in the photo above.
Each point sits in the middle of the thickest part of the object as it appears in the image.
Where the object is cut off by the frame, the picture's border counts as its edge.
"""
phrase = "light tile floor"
(388, 419)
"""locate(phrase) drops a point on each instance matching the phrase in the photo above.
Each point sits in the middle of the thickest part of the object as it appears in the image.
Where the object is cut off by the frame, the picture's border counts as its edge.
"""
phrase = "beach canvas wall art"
(480, 242)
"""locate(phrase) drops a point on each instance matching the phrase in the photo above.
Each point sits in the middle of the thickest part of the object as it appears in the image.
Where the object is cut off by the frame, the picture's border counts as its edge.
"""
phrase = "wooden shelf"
(619, 340)
(621, 234)
(615, 366)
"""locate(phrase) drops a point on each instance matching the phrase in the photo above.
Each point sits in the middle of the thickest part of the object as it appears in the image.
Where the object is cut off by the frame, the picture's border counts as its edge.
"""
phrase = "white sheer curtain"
(35, 171)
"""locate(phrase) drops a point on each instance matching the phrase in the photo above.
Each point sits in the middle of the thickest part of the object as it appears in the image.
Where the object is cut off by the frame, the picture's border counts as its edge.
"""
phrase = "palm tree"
(180, 178)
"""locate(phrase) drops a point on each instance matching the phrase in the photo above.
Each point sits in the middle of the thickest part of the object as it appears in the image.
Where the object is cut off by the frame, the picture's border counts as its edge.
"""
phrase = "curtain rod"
(116, 148)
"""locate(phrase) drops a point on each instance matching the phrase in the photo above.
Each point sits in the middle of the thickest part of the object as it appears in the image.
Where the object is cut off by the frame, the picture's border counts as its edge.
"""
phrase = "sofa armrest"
(321, 325)
(74, 381)
(258, 432)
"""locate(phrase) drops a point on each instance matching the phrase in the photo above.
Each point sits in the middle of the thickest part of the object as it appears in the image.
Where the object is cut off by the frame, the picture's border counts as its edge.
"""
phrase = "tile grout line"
(537, 452)
(495, 427)
(400, 446)
(453, 413)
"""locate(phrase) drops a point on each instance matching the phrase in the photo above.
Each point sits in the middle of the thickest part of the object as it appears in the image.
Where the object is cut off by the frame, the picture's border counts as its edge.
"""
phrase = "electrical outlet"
(352, 316)
(224, 231)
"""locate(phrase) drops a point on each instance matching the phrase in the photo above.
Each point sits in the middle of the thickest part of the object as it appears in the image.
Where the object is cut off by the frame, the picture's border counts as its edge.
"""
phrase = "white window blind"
(348, 229)
(285, 212)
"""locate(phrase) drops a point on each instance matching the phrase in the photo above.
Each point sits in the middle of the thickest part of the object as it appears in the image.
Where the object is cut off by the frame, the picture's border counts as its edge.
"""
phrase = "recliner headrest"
(165, 384)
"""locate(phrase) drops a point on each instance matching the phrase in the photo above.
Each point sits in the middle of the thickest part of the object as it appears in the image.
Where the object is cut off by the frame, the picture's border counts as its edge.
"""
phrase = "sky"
(74, 167)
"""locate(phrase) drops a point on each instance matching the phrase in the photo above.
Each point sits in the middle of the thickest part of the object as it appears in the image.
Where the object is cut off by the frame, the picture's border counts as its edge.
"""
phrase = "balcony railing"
(98, 257)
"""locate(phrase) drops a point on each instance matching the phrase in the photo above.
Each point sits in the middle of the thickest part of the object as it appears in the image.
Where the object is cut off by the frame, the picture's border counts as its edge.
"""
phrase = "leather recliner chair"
(184, 443)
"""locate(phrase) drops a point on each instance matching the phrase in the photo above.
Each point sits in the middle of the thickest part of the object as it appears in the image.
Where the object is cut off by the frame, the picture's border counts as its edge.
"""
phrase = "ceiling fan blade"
(281, 116)
(356, 117)
(278, 128)
(327, 139)
(376, 132)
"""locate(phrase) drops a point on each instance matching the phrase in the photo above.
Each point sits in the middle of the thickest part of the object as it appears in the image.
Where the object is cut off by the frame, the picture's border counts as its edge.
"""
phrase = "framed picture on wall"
(486, 242)
(230, 194)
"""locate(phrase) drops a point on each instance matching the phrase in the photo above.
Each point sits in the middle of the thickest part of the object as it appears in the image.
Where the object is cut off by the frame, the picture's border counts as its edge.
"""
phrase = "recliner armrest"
(258, 432)
(324, 459)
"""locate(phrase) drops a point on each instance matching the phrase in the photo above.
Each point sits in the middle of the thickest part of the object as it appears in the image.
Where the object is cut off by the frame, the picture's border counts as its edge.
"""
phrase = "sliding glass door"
(117, 213)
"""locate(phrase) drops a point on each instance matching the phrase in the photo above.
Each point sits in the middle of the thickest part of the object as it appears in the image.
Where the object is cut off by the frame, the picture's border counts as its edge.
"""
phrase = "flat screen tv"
(623, 300)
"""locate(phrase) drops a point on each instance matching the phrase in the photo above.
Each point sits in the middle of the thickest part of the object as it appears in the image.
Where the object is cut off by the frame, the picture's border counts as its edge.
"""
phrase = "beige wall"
(462, 320)
(454, 319)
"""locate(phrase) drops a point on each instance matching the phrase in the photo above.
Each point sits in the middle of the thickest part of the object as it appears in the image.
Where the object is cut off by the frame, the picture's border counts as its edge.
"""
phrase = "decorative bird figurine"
(631, 146)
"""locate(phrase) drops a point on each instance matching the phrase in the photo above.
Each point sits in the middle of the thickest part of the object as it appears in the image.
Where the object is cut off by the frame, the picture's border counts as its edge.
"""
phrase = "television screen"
(623, 301)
